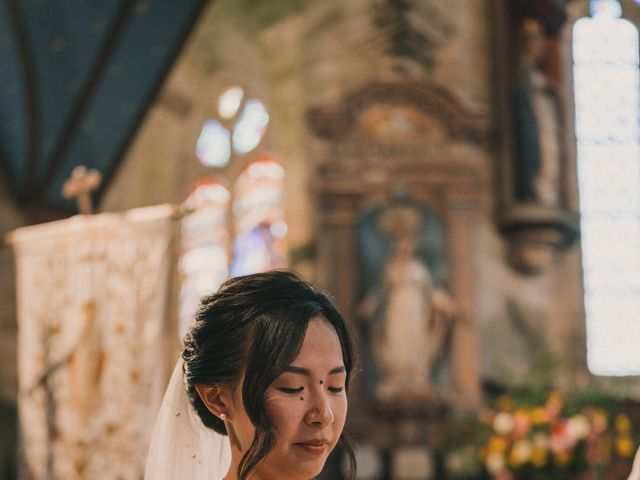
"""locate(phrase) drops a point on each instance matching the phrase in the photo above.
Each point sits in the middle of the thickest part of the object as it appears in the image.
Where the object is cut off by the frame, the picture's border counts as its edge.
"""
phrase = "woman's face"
(307, 406)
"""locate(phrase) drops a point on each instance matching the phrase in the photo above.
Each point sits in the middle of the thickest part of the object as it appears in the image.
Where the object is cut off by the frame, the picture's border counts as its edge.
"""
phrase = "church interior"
(461, 176)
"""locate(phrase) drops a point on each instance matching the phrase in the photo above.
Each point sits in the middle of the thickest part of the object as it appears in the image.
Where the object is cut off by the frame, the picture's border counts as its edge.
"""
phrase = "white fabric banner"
(93, 314)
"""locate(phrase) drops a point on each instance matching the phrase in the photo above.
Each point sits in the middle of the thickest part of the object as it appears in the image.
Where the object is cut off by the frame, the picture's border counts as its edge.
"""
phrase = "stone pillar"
(462, 211)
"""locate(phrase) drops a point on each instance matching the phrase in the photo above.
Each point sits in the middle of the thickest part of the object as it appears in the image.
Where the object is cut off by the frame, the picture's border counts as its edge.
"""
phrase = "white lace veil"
(635, 472)
(181, 446)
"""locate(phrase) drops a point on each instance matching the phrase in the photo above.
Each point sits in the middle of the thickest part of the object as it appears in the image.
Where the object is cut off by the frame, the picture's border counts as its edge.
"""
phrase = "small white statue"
(415, 314)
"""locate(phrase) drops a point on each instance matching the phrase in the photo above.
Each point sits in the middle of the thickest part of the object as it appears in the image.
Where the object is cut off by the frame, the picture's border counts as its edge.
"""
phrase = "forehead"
(321, 344)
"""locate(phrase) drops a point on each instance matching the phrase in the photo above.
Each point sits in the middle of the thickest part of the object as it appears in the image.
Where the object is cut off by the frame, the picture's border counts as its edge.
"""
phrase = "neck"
(232, 474)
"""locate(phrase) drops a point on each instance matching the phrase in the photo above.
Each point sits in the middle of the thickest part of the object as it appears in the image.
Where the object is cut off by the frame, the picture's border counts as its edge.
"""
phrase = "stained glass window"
(214, 145)
(235, 130)
(229, 102)
(258, 216)
(607, 87)
(239, 126)
(251, 127)
(203, 265)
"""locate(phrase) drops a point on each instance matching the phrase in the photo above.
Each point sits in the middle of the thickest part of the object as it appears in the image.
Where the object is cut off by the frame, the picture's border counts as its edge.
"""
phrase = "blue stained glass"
(251, 127)
(258, 216)
(213, 147)
(253, 251)
(204, 241)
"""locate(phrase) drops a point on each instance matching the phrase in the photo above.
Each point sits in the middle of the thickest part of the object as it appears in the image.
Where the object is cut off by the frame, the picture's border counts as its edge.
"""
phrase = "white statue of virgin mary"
(411, 312)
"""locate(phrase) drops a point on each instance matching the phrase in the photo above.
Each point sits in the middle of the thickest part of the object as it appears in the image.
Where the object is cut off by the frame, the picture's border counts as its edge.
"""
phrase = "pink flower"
(561, 439)
(504, 476)
(522, 424)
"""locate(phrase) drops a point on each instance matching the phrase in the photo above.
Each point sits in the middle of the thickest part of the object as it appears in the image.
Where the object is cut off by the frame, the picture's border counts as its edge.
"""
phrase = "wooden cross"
(80, 186)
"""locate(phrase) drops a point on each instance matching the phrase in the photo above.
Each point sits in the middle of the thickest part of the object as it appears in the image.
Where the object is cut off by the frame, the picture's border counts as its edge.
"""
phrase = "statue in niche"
(536, 123)
(404, 304)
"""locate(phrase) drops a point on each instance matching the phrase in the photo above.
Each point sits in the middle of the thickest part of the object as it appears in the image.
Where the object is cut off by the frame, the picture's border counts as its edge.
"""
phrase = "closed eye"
(291, 390)
(336, 389)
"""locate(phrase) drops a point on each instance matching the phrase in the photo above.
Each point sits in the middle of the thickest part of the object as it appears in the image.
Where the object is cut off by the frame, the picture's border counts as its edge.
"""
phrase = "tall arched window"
(258, 215)
(239, 232)
(607, 87)
(204, 260)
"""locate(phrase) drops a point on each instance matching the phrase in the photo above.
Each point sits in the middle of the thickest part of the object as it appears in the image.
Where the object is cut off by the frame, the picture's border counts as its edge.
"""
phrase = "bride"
(260, 390)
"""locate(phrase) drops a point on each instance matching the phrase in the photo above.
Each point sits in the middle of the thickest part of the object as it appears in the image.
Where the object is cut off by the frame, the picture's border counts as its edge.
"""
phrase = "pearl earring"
(222, 416)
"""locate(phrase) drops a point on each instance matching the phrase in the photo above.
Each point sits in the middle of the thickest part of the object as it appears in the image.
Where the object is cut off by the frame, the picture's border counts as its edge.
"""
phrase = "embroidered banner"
(94, 297)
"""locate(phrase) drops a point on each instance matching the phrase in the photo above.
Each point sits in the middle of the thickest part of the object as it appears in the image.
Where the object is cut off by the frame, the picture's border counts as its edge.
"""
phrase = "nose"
(320, 412)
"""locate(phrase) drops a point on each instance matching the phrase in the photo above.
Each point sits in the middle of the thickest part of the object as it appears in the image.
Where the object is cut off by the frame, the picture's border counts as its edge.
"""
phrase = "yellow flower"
(497, 444)
(554, 405)
(623, 424)
(624, 446)
(600, 420)
(539, 457)
(562, 458)
(495, 463)
(520, 453)
(538, 416)
(555, 399)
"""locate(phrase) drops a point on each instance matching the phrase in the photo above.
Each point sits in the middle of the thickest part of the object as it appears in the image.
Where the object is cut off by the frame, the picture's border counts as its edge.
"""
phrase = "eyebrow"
(307, 372)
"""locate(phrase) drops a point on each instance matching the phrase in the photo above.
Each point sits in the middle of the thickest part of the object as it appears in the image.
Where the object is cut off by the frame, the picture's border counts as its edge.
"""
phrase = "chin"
(291, 469)
(303, 470)
(306, 473)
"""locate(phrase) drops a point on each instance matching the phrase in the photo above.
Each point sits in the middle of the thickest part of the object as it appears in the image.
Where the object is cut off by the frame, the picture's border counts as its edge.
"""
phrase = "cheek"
(340, 407)
(286, 415)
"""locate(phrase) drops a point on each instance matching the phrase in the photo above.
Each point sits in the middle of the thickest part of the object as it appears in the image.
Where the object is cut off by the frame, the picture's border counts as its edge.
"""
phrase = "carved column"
(462, 232)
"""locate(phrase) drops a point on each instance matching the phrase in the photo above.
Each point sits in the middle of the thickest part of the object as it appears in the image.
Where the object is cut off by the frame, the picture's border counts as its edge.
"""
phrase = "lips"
(314, 446)
(315, 442)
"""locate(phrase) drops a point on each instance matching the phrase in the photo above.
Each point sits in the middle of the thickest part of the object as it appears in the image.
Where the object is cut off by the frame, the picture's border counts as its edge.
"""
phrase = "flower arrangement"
(543, 442)
(550, 439)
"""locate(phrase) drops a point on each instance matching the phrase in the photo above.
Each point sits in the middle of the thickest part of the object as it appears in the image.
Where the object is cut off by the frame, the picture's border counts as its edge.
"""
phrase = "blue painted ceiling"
(76, 78)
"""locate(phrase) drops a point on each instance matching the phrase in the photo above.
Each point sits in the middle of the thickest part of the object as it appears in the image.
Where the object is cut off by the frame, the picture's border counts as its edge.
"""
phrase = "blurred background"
(463, 177)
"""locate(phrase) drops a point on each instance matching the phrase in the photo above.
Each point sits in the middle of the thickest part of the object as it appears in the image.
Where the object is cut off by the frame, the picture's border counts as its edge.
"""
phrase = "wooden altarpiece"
(418, 138)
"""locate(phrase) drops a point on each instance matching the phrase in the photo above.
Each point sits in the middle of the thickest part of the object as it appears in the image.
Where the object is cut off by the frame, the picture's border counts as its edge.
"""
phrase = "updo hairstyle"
(256, 325)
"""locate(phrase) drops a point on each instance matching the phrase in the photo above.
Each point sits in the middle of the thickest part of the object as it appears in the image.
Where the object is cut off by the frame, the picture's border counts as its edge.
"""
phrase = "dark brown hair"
(256, 324)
